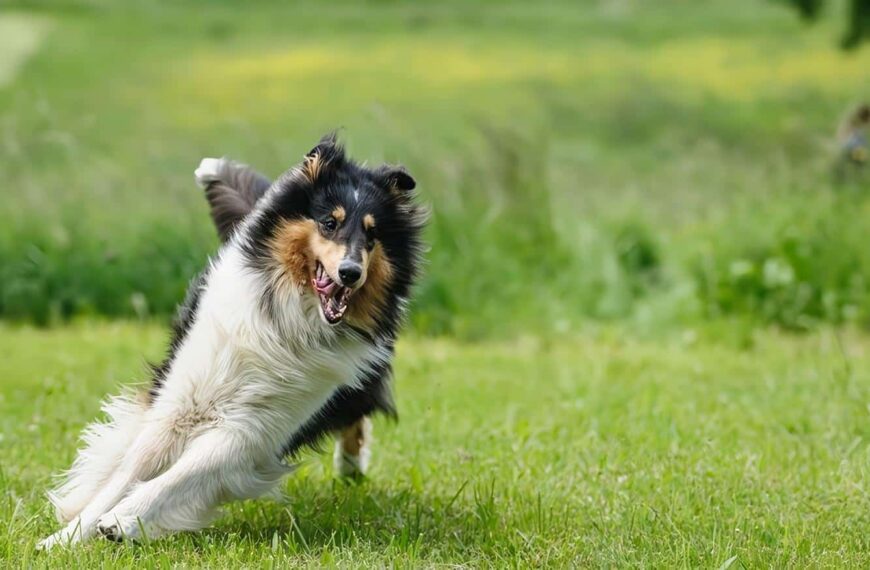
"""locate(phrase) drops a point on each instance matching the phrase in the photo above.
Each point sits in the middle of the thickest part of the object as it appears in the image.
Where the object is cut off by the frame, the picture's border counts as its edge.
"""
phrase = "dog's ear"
(328, 152)
(395, 178)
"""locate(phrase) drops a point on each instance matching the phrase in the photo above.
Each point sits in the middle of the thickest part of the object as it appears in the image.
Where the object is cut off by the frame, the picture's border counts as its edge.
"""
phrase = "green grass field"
(599, 450)
(641, 339)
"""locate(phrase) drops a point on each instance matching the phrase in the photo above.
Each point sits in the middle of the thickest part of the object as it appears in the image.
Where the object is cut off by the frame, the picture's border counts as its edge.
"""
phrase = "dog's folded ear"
(328, 152)
(395, 178)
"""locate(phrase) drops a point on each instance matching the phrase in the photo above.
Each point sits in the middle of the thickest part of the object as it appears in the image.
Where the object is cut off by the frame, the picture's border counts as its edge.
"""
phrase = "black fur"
(181, 325)
(345, 407)
(386, 192)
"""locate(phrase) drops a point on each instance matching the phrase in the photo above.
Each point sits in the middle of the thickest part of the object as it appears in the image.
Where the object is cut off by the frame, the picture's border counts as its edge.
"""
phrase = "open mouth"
(333, 297)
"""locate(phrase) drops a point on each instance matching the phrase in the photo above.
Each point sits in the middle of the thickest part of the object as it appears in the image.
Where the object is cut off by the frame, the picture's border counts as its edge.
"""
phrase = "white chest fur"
(256, 374)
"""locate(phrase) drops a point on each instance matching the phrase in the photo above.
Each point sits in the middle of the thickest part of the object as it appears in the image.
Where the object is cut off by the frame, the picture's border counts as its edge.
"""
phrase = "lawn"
(603, 449)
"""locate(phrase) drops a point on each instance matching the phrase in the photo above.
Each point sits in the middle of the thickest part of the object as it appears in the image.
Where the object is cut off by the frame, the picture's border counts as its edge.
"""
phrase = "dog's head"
(345, 233)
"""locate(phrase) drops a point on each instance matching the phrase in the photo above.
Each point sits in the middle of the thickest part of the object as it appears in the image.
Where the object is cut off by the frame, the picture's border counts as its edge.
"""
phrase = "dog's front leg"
(185, 495)
(152, 448)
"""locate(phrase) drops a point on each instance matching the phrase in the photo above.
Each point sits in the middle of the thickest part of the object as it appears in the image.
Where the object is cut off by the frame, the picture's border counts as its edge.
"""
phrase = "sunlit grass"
(598, 449)
(743, 70)
(397, 69)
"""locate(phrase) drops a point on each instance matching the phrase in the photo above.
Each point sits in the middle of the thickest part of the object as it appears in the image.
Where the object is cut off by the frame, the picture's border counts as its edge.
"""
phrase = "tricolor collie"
(287, 336)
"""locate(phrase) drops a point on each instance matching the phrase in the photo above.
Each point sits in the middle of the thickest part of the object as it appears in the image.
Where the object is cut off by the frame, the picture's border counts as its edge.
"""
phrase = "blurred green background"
(649, 162)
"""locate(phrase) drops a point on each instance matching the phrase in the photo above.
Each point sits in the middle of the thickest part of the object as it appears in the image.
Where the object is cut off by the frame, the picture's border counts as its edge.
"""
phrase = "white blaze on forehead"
(356, 195)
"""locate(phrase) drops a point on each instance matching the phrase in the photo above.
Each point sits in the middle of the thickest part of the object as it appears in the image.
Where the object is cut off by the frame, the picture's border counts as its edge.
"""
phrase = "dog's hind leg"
(103, 450)
(353, 448)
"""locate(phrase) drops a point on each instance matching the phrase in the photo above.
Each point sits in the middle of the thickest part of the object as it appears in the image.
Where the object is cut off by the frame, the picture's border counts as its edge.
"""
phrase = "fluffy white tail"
(209, 171)
(104, 447)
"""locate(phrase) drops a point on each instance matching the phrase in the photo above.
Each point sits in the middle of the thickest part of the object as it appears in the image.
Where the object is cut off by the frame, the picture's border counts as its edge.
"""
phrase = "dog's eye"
(329, 225)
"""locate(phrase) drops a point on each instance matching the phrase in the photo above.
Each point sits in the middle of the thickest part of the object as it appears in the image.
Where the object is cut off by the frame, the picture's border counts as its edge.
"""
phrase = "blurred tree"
(859, 23)
(857, 27)
(808, 9)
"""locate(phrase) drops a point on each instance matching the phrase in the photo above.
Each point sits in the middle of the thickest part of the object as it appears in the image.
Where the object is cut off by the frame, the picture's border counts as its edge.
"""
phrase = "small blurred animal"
(287, 336)
(852, 139)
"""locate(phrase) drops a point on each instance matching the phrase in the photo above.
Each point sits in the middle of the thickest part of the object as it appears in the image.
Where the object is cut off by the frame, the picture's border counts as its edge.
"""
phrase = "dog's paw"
(348, 466)
(61, 538)
(208, 171)
(119, 528)
(50, 542)
(112, 532)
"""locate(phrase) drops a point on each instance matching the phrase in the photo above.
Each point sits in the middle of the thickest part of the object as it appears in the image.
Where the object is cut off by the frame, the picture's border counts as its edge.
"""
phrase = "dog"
(287, 336)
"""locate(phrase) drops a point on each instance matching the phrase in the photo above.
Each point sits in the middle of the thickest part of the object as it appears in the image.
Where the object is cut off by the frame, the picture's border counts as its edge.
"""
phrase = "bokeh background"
(650, 162)
(642, 337)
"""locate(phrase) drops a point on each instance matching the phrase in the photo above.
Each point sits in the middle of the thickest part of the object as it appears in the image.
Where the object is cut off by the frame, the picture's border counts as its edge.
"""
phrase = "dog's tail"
(232, 189)
(102, 452)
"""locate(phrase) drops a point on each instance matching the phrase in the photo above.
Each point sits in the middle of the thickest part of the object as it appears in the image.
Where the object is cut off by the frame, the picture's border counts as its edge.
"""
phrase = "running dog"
(287, 336)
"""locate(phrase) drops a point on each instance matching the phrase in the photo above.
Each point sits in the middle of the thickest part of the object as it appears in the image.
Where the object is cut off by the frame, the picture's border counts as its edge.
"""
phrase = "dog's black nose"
(349, 272)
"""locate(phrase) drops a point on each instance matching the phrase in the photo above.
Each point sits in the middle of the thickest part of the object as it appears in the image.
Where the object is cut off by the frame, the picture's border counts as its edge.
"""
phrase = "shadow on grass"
(318, 517)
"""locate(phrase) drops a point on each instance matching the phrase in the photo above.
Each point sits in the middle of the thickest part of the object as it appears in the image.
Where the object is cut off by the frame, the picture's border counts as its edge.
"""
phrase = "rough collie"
(287, 336)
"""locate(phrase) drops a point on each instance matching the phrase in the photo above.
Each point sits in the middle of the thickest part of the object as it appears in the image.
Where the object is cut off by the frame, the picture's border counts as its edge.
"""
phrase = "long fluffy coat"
(258, 364)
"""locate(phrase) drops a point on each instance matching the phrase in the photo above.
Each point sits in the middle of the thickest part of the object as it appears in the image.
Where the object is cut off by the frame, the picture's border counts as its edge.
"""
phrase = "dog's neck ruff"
(237, 356)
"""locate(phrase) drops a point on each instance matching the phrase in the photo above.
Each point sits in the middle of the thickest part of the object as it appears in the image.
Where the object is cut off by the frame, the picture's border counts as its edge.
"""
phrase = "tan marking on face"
(339, 214)
(370, 300)
(291, 249)
(368, 221)
(327, 252)
(364, 262)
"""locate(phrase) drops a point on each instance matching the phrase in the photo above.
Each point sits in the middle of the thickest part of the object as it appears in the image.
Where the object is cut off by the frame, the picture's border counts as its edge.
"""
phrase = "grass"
(603, 449)
(541, 135)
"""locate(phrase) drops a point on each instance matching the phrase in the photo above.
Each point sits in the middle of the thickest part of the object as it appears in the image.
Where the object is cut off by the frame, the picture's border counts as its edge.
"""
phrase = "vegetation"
(857, 18)
(601, 161)
(597, 450)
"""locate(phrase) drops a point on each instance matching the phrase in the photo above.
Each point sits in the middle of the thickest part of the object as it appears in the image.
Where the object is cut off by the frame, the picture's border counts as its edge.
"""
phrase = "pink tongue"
(326, 287)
